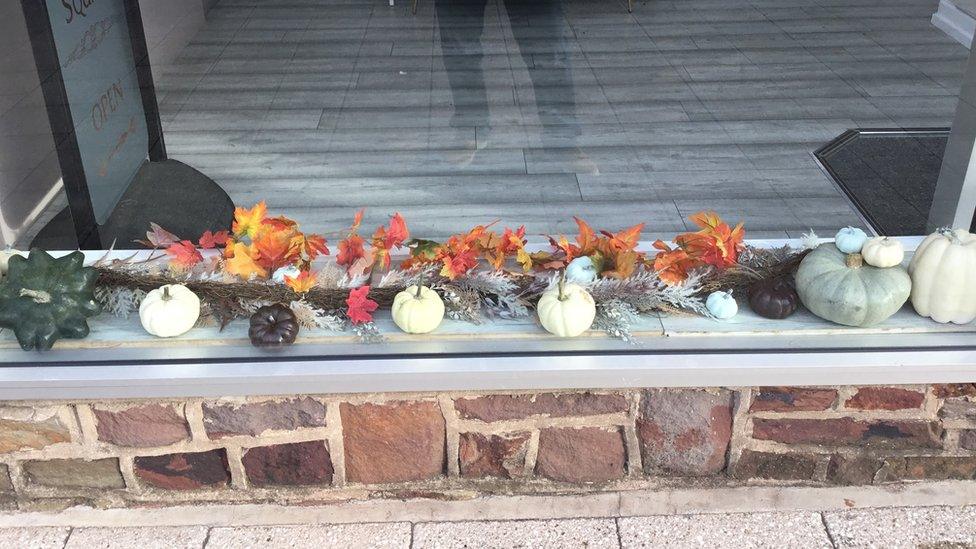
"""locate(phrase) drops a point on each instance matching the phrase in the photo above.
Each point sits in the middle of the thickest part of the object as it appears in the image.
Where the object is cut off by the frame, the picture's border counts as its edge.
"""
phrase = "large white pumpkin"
(567, 310)
(943, 281)
(169, 311)
(418, 312)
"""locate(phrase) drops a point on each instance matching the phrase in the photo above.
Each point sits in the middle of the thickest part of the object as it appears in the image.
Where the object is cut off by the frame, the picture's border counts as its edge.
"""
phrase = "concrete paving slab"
(33, 538)
(907, 527)
(511, 534)
(394, 535)
(742, 531)
(162, 537)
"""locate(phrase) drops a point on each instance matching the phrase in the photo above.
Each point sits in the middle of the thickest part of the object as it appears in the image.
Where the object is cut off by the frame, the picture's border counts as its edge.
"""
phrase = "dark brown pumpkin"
(273, 326)
(774, 298)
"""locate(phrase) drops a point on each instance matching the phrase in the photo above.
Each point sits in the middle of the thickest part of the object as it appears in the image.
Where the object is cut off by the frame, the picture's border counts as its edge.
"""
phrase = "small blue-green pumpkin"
(721, 305)
(842, 288)
(850, 240)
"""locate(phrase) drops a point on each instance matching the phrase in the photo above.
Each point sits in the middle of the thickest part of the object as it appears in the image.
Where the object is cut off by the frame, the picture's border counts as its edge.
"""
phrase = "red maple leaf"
(350, 250)
(184, 254)
(360, 306)
(210, 240)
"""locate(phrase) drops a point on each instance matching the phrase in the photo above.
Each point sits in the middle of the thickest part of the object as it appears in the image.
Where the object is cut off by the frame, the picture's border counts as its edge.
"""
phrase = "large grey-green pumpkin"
(843, 289)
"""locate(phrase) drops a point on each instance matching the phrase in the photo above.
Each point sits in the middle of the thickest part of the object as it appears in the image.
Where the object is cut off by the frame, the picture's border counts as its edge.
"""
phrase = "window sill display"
(488, 277)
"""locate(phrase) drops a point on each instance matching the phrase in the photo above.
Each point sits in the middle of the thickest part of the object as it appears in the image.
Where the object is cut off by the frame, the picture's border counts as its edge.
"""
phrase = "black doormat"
(889, 175)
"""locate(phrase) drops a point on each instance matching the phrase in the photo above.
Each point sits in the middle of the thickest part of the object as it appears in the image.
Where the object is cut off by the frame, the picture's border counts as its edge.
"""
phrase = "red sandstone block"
(848, 431)
(393, 442)
(505, 407)
(185, 471)
(500, 456)
(299, 463)
(948, 390)
(142, 426)
(885, 398)
(684, 431)
(578, 455)
(792, 399)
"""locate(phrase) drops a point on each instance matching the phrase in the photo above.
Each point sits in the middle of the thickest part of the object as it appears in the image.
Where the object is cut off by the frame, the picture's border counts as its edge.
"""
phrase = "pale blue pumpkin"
(850, 240)
(288, 270)
(842, 288)
(721, 305)
(581, 270)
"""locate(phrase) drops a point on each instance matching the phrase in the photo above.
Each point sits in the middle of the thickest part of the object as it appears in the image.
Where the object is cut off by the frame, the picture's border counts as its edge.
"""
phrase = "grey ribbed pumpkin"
(842, 288)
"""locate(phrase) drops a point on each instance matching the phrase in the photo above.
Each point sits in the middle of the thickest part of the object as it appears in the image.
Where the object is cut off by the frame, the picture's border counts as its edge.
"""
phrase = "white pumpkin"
(883, 252)
(418, 311)
(169, 311)
(5, 256)
(943, 285)
(567, 310)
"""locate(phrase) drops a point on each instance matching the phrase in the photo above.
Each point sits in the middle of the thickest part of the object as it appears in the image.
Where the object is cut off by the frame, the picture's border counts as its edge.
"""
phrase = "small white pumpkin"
(883, 252)
(418, 310)
(721, 305)
(567, 310)
(5, 256)
(850, 240)
(943, 285)
(581, 270)
(169, 311)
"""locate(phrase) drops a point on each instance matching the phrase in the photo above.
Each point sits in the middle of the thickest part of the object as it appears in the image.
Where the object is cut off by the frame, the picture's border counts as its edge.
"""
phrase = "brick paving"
(881, 527)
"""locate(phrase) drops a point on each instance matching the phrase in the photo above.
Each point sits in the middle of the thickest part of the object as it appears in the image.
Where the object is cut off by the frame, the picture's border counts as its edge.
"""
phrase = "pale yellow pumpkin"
(418, 312)
(169, 311)
(567, 310)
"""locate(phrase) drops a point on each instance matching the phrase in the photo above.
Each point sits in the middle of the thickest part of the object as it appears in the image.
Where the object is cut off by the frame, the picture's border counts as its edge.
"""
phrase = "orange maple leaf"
(279, 223)
(587, 238)
(302, 283)
(672, 266)
(274, 250)
(309, 246)
(248, 222)
(716, 243)
(184, 254)
(624, 240)
(240, 261)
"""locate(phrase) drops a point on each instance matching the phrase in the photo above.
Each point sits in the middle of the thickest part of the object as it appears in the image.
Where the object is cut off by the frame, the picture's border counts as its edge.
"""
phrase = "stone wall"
(313, 448)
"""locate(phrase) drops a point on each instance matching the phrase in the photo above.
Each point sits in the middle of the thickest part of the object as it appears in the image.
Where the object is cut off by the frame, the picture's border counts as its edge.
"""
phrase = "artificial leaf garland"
(481, 274)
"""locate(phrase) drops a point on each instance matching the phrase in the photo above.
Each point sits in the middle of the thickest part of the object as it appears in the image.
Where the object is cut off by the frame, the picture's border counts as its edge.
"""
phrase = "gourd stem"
(854, 261)
(950, 234)
(420, 284)
(166, 296)
(39, 296)
(562, 285)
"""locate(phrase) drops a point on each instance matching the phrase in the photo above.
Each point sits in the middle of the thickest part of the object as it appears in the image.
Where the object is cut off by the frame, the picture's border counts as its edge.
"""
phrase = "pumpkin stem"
(950, 234)
(854, 261)
(562, 285)
(39, 296)
(166, 296)
(420, 284)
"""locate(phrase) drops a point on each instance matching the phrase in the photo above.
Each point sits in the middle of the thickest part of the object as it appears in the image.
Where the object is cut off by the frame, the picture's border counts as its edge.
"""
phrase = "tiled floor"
(894, 528)
(537, 110)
